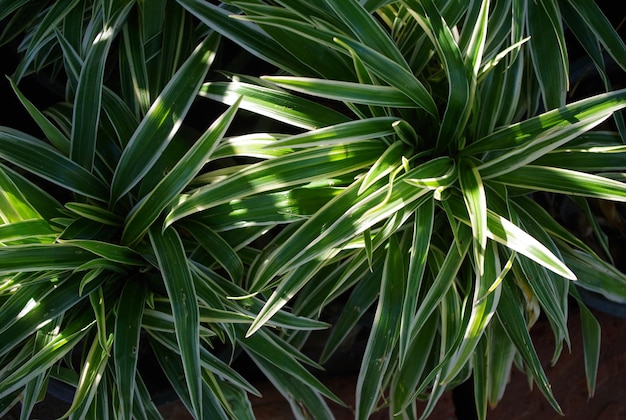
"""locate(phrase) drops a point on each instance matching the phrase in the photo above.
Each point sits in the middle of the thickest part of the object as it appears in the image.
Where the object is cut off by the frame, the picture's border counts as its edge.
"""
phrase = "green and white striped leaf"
(549, 125)
(339, 221)
(95, 213)
(126, 341)
(473, 192)
(172, 261)
(28, 153)
(264, 346)
(146, 212)
(297, 168)
(422, 236)
(358, 93)
(52, 133)
(88, 100)
(350, 132)
(391, 72)
(273, 103)
(55, 348)
(217, 247)
(461, 89)
(163, 119)
(514, 325)
(547, 39)
(381, 345)
(511, 236)
(564, 181)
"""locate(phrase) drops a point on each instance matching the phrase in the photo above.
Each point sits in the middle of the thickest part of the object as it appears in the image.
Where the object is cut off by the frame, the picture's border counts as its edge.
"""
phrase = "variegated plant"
(413, 134)
(425, 128)
(91, 280)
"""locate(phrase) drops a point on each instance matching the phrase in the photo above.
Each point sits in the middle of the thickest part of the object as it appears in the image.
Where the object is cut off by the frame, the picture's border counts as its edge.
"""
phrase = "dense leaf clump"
(392, 164)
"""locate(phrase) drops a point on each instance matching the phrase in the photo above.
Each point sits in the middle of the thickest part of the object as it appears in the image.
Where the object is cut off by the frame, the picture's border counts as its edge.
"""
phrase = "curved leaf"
(172, 261)
(163, 119)
(126, 344)
(30, 153)
(296, 168)
(144, 214)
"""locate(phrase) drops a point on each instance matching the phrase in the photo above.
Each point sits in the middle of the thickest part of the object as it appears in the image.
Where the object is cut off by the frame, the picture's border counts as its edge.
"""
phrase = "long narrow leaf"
(384, 334)
(28, 152)
(294, 169)
(163, 119)
(126, 344)
(149, 208)
(273, 103)
(514, 324)
(180, 288)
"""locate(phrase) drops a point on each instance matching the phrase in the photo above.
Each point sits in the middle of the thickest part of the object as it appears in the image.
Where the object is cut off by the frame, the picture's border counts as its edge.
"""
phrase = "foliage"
(398, 176)
(91, 281)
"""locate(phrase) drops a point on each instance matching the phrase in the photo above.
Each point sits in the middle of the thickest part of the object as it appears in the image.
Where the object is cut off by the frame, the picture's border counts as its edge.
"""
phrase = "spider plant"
(423, 130)
(91, 280)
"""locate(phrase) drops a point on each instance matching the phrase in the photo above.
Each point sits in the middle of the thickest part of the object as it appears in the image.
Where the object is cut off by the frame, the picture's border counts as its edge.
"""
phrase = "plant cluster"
(389, 162)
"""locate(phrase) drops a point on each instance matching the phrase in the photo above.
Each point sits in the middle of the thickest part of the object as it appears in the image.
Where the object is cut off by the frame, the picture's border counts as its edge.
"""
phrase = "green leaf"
(362, 296)
(98, 305)
(13, 204)
(250, 37)
(54, 15)
(339, 221)
(380, 349)
(475, 199)
(173, 369)
(41, 257)
(591, 335)
(422, 235)
(273, 103)
(484, 304)
(52, 133)
(460, 90)
(305, 401)
(547, 40)
(182, 296)
(146, 212)
(442, 283)
(95, 213)
(163, 119)
(514, 324)
(570, 120)
(601, 27)
(358, 93)
(596, 275)
(91, 374)
(499, 356)
(55, 348)
(218, 248)
(108, 251)
(289, 286)
(126, 344)
(367, 30)
(350, 132)
(29, 153)
(134, 52)
(296, 168)
(564, 181)
(385, 165)
(393, 73)
(262, 345)
(88, 100)
(34, 228)
(510, 235)
(433, 174)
